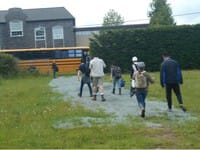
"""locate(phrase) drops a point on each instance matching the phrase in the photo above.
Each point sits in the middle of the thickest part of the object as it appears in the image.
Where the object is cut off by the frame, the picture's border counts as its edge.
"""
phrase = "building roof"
(41, 14)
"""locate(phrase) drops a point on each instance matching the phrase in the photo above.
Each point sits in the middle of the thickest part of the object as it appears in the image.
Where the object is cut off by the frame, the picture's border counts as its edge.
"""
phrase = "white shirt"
(97, 65)
(134, 67)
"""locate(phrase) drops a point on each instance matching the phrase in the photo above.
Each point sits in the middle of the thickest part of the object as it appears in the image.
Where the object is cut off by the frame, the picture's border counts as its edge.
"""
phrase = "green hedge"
(182, 42)
(8, 65)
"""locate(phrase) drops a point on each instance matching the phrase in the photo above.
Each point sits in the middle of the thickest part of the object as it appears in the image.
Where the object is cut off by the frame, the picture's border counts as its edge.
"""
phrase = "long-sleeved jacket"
(170, 72)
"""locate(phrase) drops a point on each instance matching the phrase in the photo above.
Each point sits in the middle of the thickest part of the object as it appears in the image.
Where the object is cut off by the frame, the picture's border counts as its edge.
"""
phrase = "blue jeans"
(116, 81)
(141, 95)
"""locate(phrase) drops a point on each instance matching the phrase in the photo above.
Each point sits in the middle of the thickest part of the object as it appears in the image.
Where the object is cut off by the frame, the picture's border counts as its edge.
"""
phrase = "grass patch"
(29, 109)
(189, 89)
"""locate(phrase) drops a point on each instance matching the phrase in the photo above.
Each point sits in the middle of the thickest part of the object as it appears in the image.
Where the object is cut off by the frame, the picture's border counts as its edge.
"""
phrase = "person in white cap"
(133, 69)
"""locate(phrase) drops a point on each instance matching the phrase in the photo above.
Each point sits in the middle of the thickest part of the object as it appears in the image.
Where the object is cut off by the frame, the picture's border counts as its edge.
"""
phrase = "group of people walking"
(91, 72)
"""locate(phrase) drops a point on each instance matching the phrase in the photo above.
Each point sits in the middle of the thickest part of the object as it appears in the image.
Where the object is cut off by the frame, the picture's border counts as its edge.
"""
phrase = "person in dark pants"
(55, 69)
(84, 77)
(170, 78)
(132, 70)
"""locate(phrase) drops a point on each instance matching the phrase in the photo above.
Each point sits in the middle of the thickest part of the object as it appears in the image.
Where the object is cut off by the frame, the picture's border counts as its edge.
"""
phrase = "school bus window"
(52, 54)
(71, 53)
(64, 54)
(78, 53)
(58, 54)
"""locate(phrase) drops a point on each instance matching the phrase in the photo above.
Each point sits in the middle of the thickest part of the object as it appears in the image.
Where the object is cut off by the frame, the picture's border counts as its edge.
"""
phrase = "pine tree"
(112, 18)
(161, 13)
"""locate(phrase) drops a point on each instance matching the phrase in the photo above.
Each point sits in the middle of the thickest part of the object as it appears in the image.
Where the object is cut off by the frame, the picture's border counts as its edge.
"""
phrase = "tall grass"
(29, 109)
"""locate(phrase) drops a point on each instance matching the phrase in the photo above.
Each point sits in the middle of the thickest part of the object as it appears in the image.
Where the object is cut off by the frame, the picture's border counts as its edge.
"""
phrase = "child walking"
(142, 80)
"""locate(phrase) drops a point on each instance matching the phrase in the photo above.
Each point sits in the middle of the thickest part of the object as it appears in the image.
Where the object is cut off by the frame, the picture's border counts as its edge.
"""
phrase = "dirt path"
(120, 106)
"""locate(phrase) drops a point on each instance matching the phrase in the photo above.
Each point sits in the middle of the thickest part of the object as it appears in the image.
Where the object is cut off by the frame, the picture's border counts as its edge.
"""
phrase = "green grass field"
(29, 108)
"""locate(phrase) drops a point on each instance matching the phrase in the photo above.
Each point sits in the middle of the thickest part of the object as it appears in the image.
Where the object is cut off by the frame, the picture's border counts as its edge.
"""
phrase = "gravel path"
(120, 106)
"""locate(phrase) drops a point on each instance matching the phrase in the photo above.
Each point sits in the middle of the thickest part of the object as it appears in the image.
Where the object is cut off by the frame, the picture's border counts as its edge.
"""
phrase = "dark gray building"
(36, 28)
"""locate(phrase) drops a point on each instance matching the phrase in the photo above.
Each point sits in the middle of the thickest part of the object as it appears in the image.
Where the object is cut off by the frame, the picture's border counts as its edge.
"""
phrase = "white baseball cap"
(134, 58)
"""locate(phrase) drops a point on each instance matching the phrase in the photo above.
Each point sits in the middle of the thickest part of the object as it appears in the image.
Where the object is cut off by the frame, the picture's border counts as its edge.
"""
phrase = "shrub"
(8, 65)
(30, 71)
(148, 44)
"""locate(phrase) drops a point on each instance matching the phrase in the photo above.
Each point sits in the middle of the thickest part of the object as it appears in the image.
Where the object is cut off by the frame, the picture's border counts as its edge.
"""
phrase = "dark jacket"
(84, 68)
(132, 70)
(170, 73)
(116, 72)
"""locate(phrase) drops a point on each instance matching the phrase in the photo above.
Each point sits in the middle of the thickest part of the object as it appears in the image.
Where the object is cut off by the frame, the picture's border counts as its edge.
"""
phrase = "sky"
(90, 13)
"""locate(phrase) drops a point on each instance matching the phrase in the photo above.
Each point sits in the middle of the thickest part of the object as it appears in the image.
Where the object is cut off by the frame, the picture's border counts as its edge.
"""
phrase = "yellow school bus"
(67, 59)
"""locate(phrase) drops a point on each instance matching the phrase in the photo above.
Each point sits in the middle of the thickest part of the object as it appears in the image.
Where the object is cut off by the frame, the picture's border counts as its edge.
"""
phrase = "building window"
(16, 28)
(40, 34)
(40, 37)
(58, 36)
(57, 32)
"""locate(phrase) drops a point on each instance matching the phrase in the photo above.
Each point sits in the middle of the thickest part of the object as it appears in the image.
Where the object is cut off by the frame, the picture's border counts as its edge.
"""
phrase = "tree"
(112, 18)
(161, 13)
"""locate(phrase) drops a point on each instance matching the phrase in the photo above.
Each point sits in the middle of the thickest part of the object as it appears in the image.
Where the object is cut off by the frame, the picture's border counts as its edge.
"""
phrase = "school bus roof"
(44, 49)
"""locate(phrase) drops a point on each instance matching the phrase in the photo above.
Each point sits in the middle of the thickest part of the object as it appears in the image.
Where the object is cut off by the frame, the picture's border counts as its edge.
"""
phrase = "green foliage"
(161, 13)
(112, 18)
(8, 65)
(148, 44)
(30, 71)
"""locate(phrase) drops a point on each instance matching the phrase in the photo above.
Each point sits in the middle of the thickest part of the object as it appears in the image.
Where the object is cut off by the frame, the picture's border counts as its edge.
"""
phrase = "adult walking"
(84, 77)
(54, 69)
(133, 69)
(97, 66)
(170, 78)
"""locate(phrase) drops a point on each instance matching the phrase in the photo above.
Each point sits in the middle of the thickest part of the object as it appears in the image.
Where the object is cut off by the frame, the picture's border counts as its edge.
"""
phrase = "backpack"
(122, 83)
(117, 72)
(140, 80)
(87, 70)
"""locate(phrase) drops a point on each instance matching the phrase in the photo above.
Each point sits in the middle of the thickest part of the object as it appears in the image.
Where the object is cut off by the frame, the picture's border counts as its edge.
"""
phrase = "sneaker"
(79, 95)
(94, 98)
(143, 113)
(103, 100)
(132, 94)
(183, 108)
